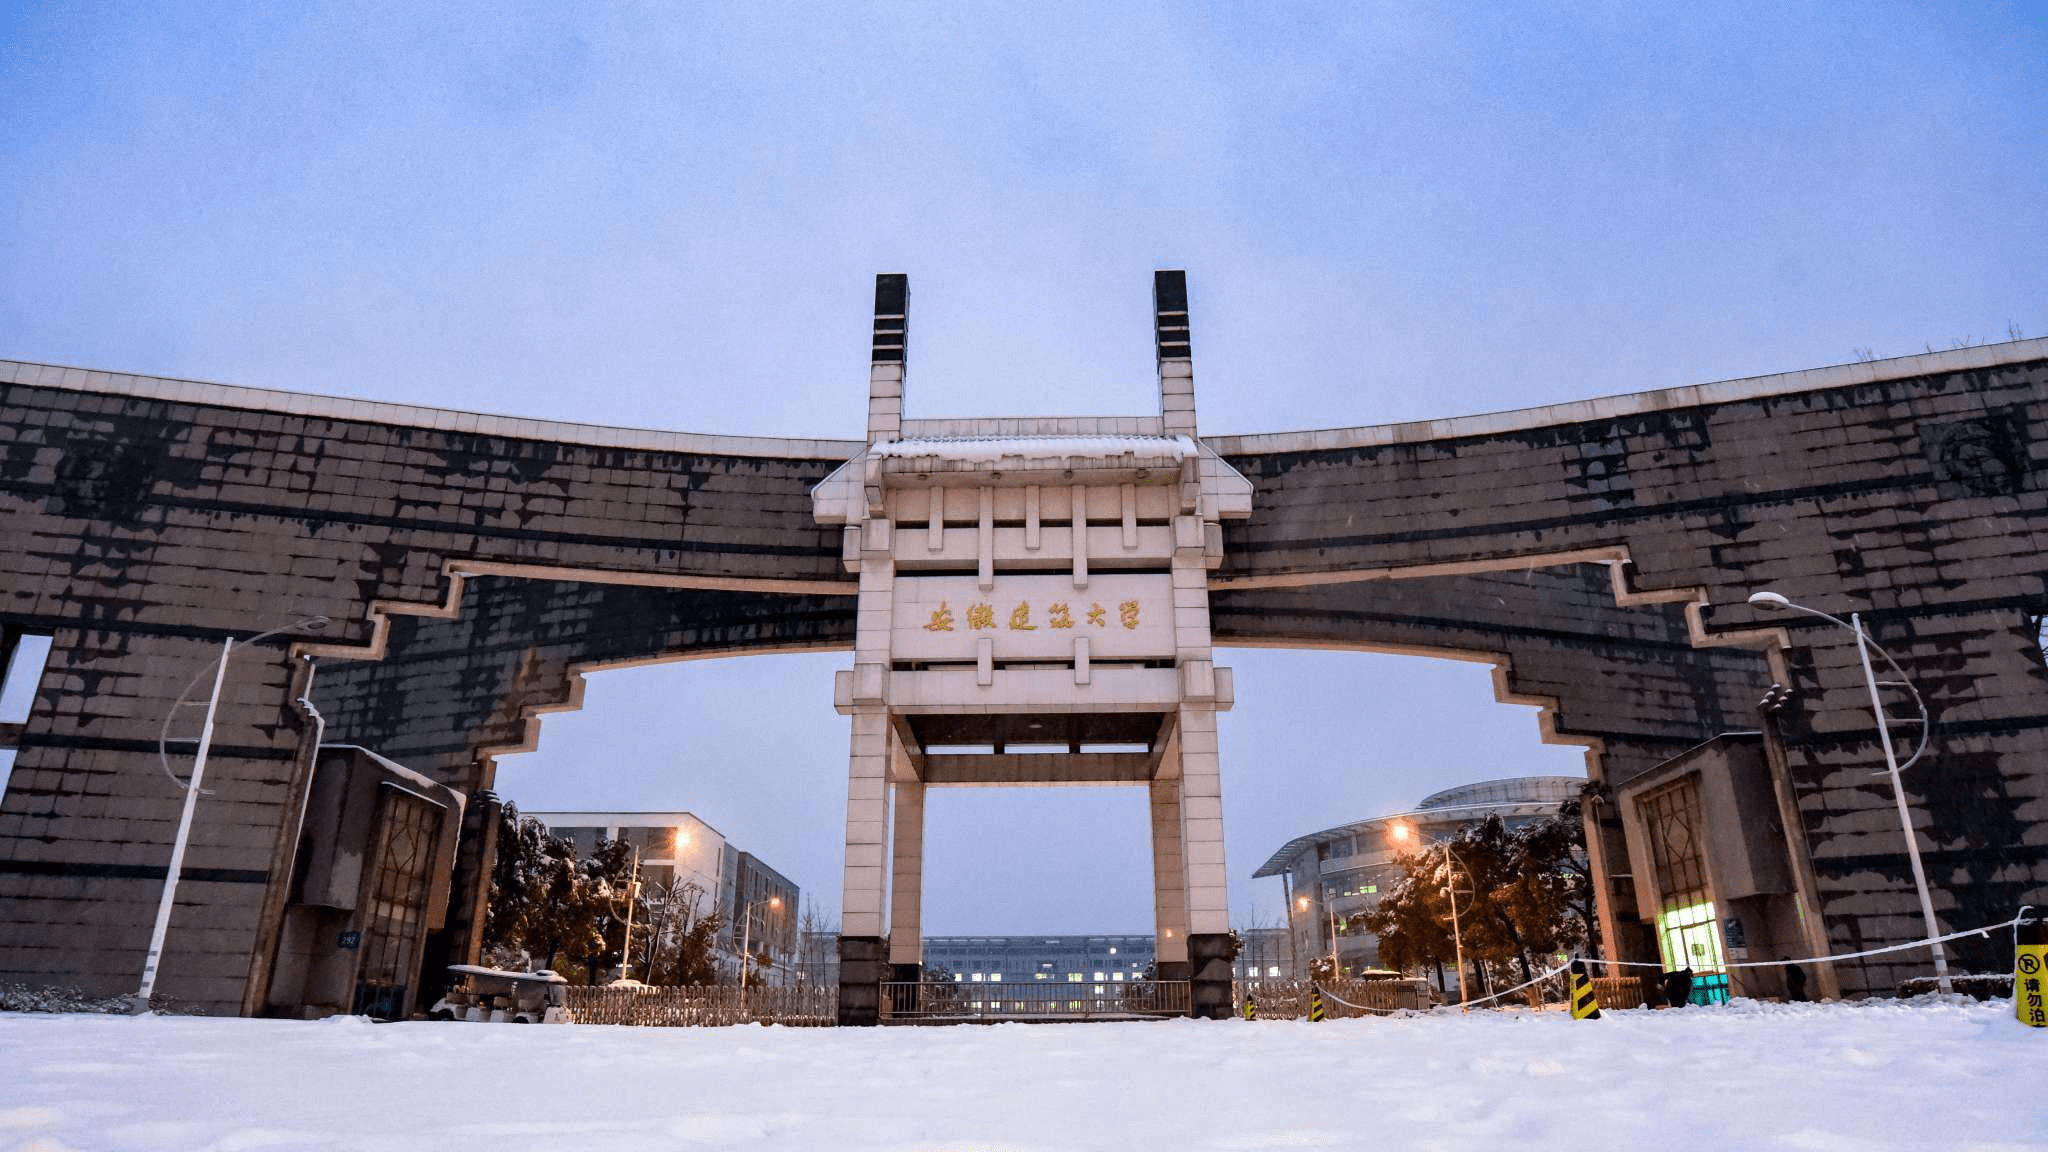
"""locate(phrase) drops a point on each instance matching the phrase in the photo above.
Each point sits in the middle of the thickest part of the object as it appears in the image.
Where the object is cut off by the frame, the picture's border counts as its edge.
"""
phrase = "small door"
(1688, 934)
(393, 916)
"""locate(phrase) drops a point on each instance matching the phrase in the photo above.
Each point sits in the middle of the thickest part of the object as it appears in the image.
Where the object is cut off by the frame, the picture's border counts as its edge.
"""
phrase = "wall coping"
(1316, 440)
(417, 416)
(1637, 403)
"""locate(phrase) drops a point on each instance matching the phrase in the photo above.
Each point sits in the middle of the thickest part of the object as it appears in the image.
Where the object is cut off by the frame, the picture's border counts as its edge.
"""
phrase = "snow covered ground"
(1959, 1077)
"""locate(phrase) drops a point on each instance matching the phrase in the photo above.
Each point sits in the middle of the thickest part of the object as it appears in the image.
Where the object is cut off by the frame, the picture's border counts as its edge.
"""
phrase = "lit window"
(1073, 977)
(1098, 989)
(1038, 975)
(956, 977)
(995, 977)
(1117, 976)
(1273, 970)
(977, 977)
(1112, 951)
(1100, 976)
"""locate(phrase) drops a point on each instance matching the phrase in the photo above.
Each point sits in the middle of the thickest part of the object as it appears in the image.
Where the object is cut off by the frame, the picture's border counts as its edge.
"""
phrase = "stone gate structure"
(1598, 554)
(1034, 611)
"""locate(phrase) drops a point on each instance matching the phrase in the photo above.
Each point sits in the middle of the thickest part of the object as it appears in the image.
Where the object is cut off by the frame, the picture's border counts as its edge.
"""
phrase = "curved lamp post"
(632, 900)
(1330, 907)
(1450, 891)
(746, 944)
(193, 791)
(1772, 601)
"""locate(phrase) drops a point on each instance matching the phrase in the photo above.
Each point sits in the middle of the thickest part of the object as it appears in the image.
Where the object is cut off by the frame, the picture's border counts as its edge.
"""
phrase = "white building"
(677, 848)
(1333, 876)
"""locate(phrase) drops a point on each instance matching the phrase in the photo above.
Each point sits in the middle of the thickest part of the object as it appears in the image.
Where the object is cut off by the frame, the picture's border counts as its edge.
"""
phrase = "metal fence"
(933, 1001)
(704, 1007)
(1616, 992)
(1288, 999)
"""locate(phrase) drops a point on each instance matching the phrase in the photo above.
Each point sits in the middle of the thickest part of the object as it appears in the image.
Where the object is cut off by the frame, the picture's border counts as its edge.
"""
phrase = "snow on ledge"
(995, 448)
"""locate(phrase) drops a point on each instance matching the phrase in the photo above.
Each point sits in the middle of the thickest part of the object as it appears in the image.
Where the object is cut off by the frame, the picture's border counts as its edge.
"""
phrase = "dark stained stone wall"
(1916, 500)
(139, 529)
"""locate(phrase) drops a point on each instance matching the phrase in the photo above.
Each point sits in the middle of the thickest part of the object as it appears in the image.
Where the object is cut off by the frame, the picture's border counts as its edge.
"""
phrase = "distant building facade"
(1019, 959)
(1332, 876)
(677, 848)
(1266, 954)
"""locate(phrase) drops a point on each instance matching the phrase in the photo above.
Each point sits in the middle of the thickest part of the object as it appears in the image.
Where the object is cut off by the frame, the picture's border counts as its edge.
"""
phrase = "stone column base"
(1209, 957)
(863, 962)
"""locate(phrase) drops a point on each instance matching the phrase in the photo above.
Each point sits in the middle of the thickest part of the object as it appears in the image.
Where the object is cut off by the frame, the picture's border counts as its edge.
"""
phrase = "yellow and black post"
(1584, 1005)
(1251, 1007)
(2030, 972)
(1315, 1003)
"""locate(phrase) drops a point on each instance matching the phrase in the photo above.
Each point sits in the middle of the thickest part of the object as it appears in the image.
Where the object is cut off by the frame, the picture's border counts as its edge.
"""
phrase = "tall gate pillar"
(1034, 612)
(906, 888)
(1169, 882)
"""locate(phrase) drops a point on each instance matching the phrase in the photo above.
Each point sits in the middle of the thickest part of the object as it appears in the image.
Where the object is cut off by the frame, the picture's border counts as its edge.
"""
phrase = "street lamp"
(192, 792)
(1329, 906)
(1402, 832)
(1772, 601)
(632, 899)
(746, 944)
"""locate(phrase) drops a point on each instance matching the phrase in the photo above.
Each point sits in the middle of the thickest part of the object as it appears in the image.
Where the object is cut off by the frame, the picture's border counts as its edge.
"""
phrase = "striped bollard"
(1251, 1007)
(1584, 1005)
(1315, 1003)
(2029, 972)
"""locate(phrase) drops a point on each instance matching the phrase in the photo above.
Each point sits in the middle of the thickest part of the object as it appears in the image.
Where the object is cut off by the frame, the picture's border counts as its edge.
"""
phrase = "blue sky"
(641, 216)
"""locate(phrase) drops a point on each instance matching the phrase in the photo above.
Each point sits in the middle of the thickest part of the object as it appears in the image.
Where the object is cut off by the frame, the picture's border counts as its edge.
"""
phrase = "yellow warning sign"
(2030, 983)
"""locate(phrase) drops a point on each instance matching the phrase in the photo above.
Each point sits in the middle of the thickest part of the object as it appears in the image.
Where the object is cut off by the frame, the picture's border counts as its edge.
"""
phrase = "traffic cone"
(1584, 1005)
(1251, 1007)
(2030, 972)
(1315, 1003)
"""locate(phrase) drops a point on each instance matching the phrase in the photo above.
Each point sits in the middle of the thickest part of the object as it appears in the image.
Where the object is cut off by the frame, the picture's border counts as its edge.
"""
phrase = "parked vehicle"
(493, 996)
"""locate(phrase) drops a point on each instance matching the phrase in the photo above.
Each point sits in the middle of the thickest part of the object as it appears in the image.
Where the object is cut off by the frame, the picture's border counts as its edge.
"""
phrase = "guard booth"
(1034, 612)
(1714, 881)
(370, 880)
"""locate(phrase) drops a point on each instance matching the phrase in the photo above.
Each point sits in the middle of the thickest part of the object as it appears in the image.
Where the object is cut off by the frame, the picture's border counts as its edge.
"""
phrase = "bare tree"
(817, 942)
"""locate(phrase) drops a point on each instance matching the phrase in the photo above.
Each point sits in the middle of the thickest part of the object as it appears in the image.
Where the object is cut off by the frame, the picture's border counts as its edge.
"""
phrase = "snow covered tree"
(552, 905)
(530, 867)
(1521, 894)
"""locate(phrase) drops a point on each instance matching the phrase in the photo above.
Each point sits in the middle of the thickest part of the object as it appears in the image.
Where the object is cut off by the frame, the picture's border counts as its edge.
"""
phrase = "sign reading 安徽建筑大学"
(1033, 617)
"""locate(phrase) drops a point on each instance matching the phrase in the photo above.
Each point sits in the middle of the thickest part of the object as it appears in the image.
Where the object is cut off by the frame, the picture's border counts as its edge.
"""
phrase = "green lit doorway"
(1688, 933)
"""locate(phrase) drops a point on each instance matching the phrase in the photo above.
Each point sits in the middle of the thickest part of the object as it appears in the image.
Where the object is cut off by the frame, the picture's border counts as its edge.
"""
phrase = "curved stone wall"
(1599, 554)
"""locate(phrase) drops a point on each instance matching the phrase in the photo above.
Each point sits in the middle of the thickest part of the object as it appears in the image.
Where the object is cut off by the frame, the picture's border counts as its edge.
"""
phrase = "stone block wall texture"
(138, 529)
(1916, 499)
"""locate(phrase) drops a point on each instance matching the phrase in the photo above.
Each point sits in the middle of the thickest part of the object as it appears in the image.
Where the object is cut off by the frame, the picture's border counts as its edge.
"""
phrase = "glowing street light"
(1330, 907)
(1772, 601)
(1402, 832)
(746, 945)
